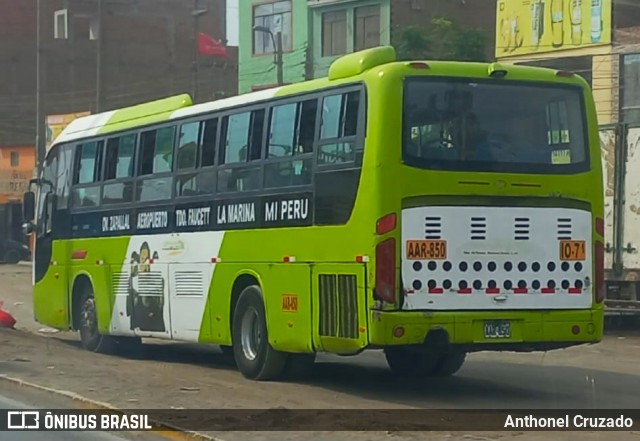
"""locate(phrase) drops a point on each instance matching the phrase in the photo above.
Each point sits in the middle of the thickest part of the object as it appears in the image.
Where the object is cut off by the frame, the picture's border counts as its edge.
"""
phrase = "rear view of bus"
(498, 197)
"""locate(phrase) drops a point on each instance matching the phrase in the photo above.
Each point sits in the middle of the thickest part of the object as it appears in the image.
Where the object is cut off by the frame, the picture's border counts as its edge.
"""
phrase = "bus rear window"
(503, 126)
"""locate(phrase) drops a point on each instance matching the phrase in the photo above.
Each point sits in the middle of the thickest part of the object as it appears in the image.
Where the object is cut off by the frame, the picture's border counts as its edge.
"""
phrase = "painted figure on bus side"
(145, 302)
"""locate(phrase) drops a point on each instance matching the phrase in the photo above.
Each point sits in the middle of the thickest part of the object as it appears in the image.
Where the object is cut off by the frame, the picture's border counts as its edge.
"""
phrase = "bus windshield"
(480, 125)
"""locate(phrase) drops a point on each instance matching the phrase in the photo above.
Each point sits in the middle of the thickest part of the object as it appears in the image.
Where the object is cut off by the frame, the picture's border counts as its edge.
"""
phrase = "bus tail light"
(386, 224)
(599, 262)
(386, 271)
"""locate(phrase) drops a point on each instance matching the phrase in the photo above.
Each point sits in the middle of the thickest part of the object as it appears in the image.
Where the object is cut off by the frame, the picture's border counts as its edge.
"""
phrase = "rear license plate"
(426, 249)
(497, 329)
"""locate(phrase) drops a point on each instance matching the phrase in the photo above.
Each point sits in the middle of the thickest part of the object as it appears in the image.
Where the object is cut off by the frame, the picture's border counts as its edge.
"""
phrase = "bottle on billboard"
(576, 22)
(557, 22)
(537, 22)
(596, 21)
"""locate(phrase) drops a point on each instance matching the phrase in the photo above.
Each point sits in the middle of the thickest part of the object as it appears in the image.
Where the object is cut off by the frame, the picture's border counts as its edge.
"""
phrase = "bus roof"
(343, 69)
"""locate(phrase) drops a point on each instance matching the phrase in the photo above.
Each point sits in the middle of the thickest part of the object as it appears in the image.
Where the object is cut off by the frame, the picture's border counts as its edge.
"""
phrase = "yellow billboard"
(528, 27)
(57, 123)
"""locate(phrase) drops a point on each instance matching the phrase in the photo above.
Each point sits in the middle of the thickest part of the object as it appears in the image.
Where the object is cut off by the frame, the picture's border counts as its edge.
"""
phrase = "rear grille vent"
(478, 228)
(433, 228)
(338, 305)
(565, 228)
(522, 228)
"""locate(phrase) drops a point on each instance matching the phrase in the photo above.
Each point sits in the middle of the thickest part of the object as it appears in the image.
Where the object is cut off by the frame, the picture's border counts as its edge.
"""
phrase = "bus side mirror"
(29, 206)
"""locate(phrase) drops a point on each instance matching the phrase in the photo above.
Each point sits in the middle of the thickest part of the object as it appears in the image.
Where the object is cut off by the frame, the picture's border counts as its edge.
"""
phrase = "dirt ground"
(185, 376)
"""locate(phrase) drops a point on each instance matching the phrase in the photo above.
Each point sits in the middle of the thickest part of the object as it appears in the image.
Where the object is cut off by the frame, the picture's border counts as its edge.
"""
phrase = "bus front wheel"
(90, 337)
(254, 356)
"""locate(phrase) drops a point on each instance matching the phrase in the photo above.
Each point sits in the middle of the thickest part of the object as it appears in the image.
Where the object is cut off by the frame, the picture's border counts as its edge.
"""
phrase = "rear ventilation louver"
(120, 283)
(565, 229)
(189, 283)
(433, 228)
(338, 305)
(522, 228)
(478, 228)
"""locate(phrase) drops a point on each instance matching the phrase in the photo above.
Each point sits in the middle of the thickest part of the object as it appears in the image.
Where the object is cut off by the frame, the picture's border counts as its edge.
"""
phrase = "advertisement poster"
(527, 27)
(57, 123)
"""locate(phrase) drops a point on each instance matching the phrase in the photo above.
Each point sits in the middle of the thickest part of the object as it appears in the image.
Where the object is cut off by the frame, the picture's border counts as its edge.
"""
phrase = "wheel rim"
(251, 334)
(88, 322)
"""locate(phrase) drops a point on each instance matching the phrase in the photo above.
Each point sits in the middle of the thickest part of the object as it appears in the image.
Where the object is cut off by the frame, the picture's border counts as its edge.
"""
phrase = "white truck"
(621, 170)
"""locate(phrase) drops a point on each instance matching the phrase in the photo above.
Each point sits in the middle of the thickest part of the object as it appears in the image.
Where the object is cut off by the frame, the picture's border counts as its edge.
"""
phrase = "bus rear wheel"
(255, 357)
(90, 337)
(424, 363)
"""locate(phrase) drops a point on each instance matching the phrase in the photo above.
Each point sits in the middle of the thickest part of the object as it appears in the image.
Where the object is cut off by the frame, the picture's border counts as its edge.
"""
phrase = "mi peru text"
(96, 422)
(568, 421)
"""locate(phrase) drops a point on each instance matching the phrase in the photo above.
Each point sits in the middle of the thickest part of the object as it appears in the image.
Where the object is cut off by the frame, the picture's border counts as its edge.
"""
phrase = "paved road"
(24, 402)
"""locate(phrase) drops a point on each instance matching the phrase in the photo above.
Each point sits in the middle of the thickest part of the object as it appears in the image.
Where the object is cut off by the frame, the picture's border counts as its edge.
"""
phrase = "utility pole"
(279, 63)
(99, 50)
(40, 150)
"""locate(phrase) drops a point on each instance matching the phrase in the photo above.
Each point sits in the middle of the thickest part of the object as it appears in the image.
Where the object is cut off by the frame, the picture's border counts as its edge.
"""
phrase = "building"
(147, 52)
(598, 39)
(16, 168)
(316, 32)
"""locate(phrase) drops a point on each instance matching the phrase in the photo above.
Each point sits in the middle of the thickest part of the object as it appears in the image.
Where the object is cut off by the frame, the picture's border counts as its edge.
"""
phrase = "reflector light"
(386, 224)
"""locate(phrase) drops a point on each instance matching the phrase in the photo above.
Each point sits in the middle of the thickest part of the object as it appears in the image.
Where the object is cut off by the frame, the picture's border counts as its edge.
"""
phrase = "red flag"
(209, 47)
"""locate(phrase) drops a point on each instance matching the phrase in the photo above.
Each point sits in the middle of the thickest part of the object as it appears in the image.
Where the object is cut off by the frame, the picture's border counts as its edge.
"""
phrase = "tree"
(441, 39)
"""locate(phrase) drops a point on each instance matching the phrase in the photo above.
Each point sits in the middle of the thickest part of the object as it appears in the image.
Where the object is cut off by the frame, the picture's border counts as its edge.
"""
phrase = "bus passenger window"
(331, 116)
(188, 146)
(209, 142)
(87, 163)
(119, 158)
(157, 151)
(340, 115)
(237, 137)
(283, 128)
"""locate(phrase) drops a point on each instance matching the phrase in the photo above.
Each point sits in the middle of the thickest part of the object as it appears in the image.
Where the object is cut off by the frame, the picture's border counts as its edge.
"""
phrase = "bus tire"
(91, 339)
(412, 363)
(449, 363)
(299, 366)
(255, 357)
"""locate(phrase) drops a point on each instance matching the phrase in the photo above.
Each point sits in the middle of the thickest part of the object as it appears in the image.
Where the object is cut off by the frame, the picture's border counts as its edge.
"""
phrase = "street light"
(277, 44)
(196, 14)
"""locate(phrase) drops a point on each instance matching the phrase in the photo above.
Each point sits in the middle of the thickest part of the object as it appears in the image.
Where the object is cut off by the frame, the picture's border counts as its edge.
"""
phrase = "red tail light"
(386, 271)
(599, 282)
(600, 226)
(386, 224)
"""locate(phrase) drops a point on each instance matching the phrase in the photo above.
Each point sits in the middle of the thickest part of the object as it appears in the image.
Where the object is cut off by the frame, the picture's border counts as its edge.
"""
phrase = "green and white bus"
(429, 209)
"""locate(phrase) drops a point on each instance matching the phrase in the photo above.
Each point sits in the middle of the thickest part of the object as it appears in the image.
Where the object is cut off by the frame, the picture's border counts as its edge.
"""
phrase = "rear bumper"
(530, 330)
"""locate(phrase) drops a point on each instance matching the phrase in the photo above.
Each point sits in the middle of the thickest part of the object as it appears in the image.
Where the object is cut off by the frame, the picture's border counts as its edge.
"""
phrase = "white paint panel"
(495, 230)
(83, 127)
(247, 98)
(608, 149)
(175, 257)
(631, 260)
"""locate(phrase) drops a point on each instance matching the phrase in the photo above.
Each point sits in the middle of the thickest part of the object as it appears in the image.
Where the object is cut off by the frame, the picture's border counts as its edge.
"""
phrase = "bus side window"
(243, 136)
(339, 128)
(196, 177)
(291, 134)
(119, 156)
(88, 165)
(156, 158)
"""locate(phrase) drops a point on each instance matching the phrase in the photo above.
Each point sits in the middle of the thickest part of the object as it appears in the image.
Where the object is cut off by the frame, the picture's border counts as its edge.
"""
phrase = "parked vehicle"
(13, 252)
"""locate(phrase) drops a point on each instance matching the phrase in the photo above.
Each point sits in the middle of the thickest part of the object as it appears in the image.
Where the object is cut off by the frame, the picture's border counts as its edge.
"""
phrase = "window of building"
(334, 33)
(276, 17)
(630, 93)
(15, 159)
(367, 27)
